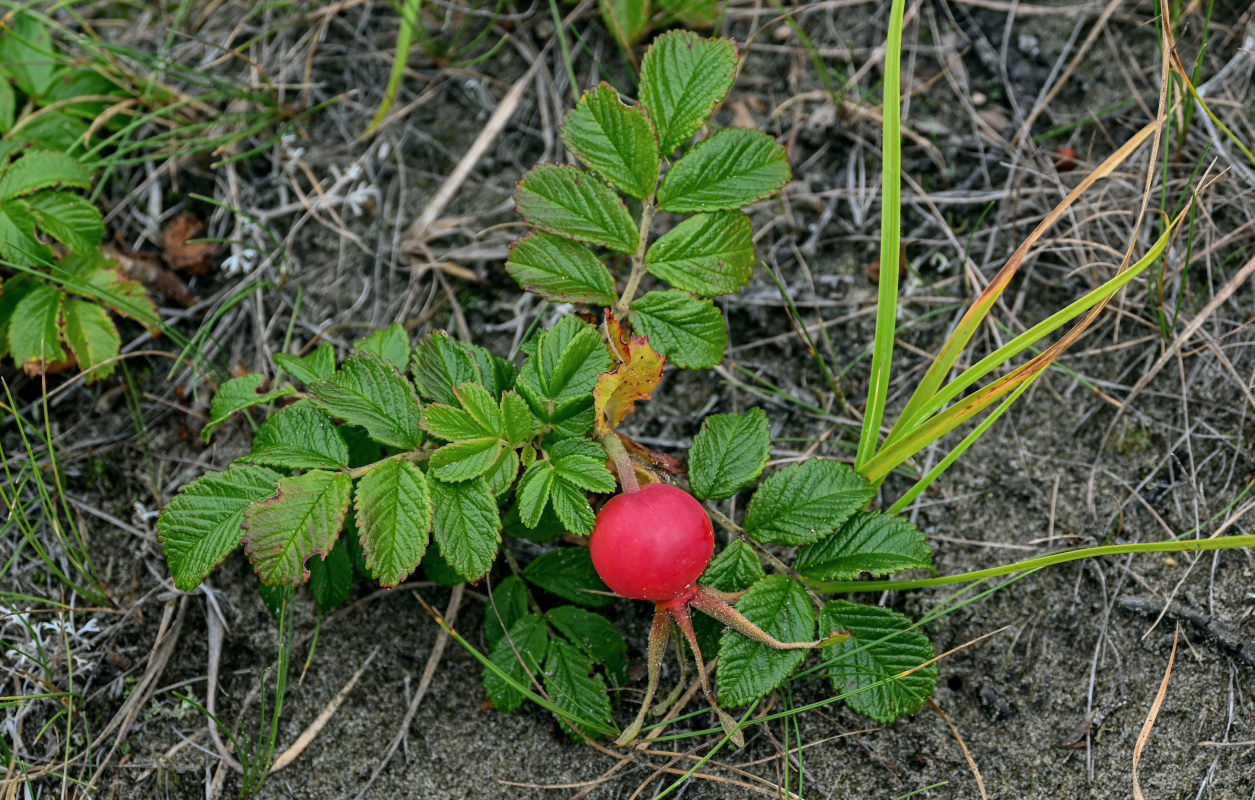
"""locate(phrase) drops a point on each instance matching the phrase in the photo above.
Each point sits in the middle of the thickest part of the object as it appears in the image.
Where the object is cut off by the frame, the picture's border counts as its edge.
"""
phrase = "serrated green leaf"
(517, 654)
(303, 519)
(873, 661)
(683, 78)
(613, 140)
(451, 424)
(370, 392)
(708, 254)
(500, 476)
(14, 289)
(440, 363)
(42, 169)
(482, 407)
(19, 244)
(735, 569)
(68, 218)
(238, 394)
(106, 284)
(547, 529)
(533, 491)
(571, 505)
(560, 270)
(596, 636)
(394, 516)
(732, 168)
(803, 503)
(330, 578)
(689, 331)
(496, 374)
(571, 688)
(868, 542)
(466, 525)
(728, 453)
(627, 19)
(568, 201)
(317, 365)
(27, 53)
(299, 437)
(507, 604)
(8, 106)
(582, 463)
(749, 669)
(92, 336)
(466, 459)
(568, 572)
(35, 332)
(392, 344)
(203, 523)
(558, 379)
(517, 418)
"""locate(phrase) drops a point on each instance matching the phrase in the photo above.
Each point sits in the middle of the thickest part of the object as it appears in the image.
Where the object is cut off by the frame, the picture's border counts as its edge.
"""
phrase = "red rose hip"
(652, 544)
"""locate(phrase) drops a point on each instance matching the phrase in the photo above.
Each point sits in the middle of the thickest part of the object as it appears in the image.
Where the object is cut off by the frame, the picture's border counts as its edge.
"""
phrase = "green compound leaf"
(466, 459)
(683, 78)
(440, 363)
(517, 654)
(868, 542)
(571, 688)
(370, 392)
(803, 503)
(872, 661)
(613, 140)
(202, 524)
(501, 474)
(238, 394)
(35, 332)
(728, 453)
(533, 492)
(392, 344)
(561, 481)
(560, 270)
(582, 463)
(302, 520)
(708, 254)
(595, 636)
(568, 572)
(732, 168)
(92, 337)
(71, 220)
(735, 569)
(507, 604)
(299, 437)
(557, 379)
(568, 201)
(331, 577)
(19, 244)
(482, 407)
(466, 525)
(749, 669)
(689, 331)
(394, 517)
(315, 366)
(517, 417)
(42, 169)
(571, 505)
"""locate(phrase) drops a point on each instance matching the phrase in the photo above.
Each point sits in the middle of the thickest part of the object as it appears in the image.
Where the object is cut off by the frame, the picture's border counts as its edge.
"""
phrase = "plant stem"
(413, 456)
(638, 260)
(622, 462)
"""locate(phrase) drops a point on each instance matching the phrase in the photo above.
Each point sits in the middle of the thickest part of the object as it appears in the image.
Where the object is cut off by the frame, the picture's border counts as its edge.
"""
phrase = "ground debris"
(1226, 637)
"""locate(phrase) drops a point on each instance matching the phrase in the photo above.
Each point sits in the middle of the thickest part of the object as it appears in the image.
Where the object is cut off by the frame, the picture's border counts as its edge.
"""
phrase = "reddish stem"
(680, 612)
(708, 602)
(657, 649)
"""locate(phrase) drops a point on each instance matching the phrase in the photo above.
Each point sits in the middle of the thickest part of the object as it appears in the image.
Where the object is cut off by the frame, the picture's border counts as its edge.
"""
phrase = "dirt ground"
(1053, 677)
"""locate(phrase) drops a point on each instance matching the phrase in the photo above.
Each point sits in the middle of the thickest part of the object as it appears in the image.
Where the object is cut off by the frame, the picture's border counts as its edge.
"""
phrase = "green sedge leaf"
(71, 220)
(317, 365)
(627, 19)
(440, 363)
(533, 492)
(299, 437)
(732, 168)
(869, 542)
(392, 344)
(238, 394)
(466, 459)
(203, 522)
(370, 392)
(507, 604)
(482, 407)
(683, 78)
(92, 337)
(708, 254)
(748, 669)
(466, 525)
(394, 517)
(728, 453)
(571, 688)
(734, 569)
(568, 201)
(42, 169)
(502, 473)
(517, 418)
(595, 636)
(613, 140)
(689, 331)
(571, 505)
(331, 577)
(803, 503)
(302, 520)
(582, 463)
(560, 270)
(568, 572)
(35, 331)
(874, 661)
(519, 654)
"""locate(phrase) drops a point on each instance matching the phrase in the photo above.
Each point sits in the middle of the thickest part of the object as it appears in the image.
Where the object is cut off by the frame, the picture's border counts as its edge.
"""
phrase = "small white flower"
(243, 262)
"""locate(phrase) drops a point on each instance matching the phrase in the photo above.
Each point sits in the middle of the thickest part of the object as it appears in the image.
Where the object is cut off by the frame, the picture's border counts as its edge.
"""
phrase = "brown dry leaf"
(146, 269)
(638, 373)
(192, 257)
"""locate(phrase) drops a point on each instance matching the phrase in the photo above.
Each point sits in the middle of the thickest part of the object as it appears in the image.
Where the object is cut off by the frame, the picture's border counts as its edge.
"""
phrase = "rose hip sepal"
(653, 544)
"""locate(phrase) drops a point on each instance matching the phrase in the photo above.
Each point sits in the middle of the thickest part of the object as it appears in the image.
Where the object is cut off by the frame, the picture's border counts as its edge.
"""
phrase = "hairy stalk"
(712, 606)
(683, 618)
(622, 462)
(657, 649)
(638, 260)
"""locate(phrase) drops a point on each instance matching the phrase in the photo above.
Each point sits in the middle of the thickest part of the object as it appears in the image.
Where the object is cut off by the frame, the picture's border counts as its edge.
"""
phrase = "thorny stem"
(622, 462)
(638, 260)
(657, 649)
